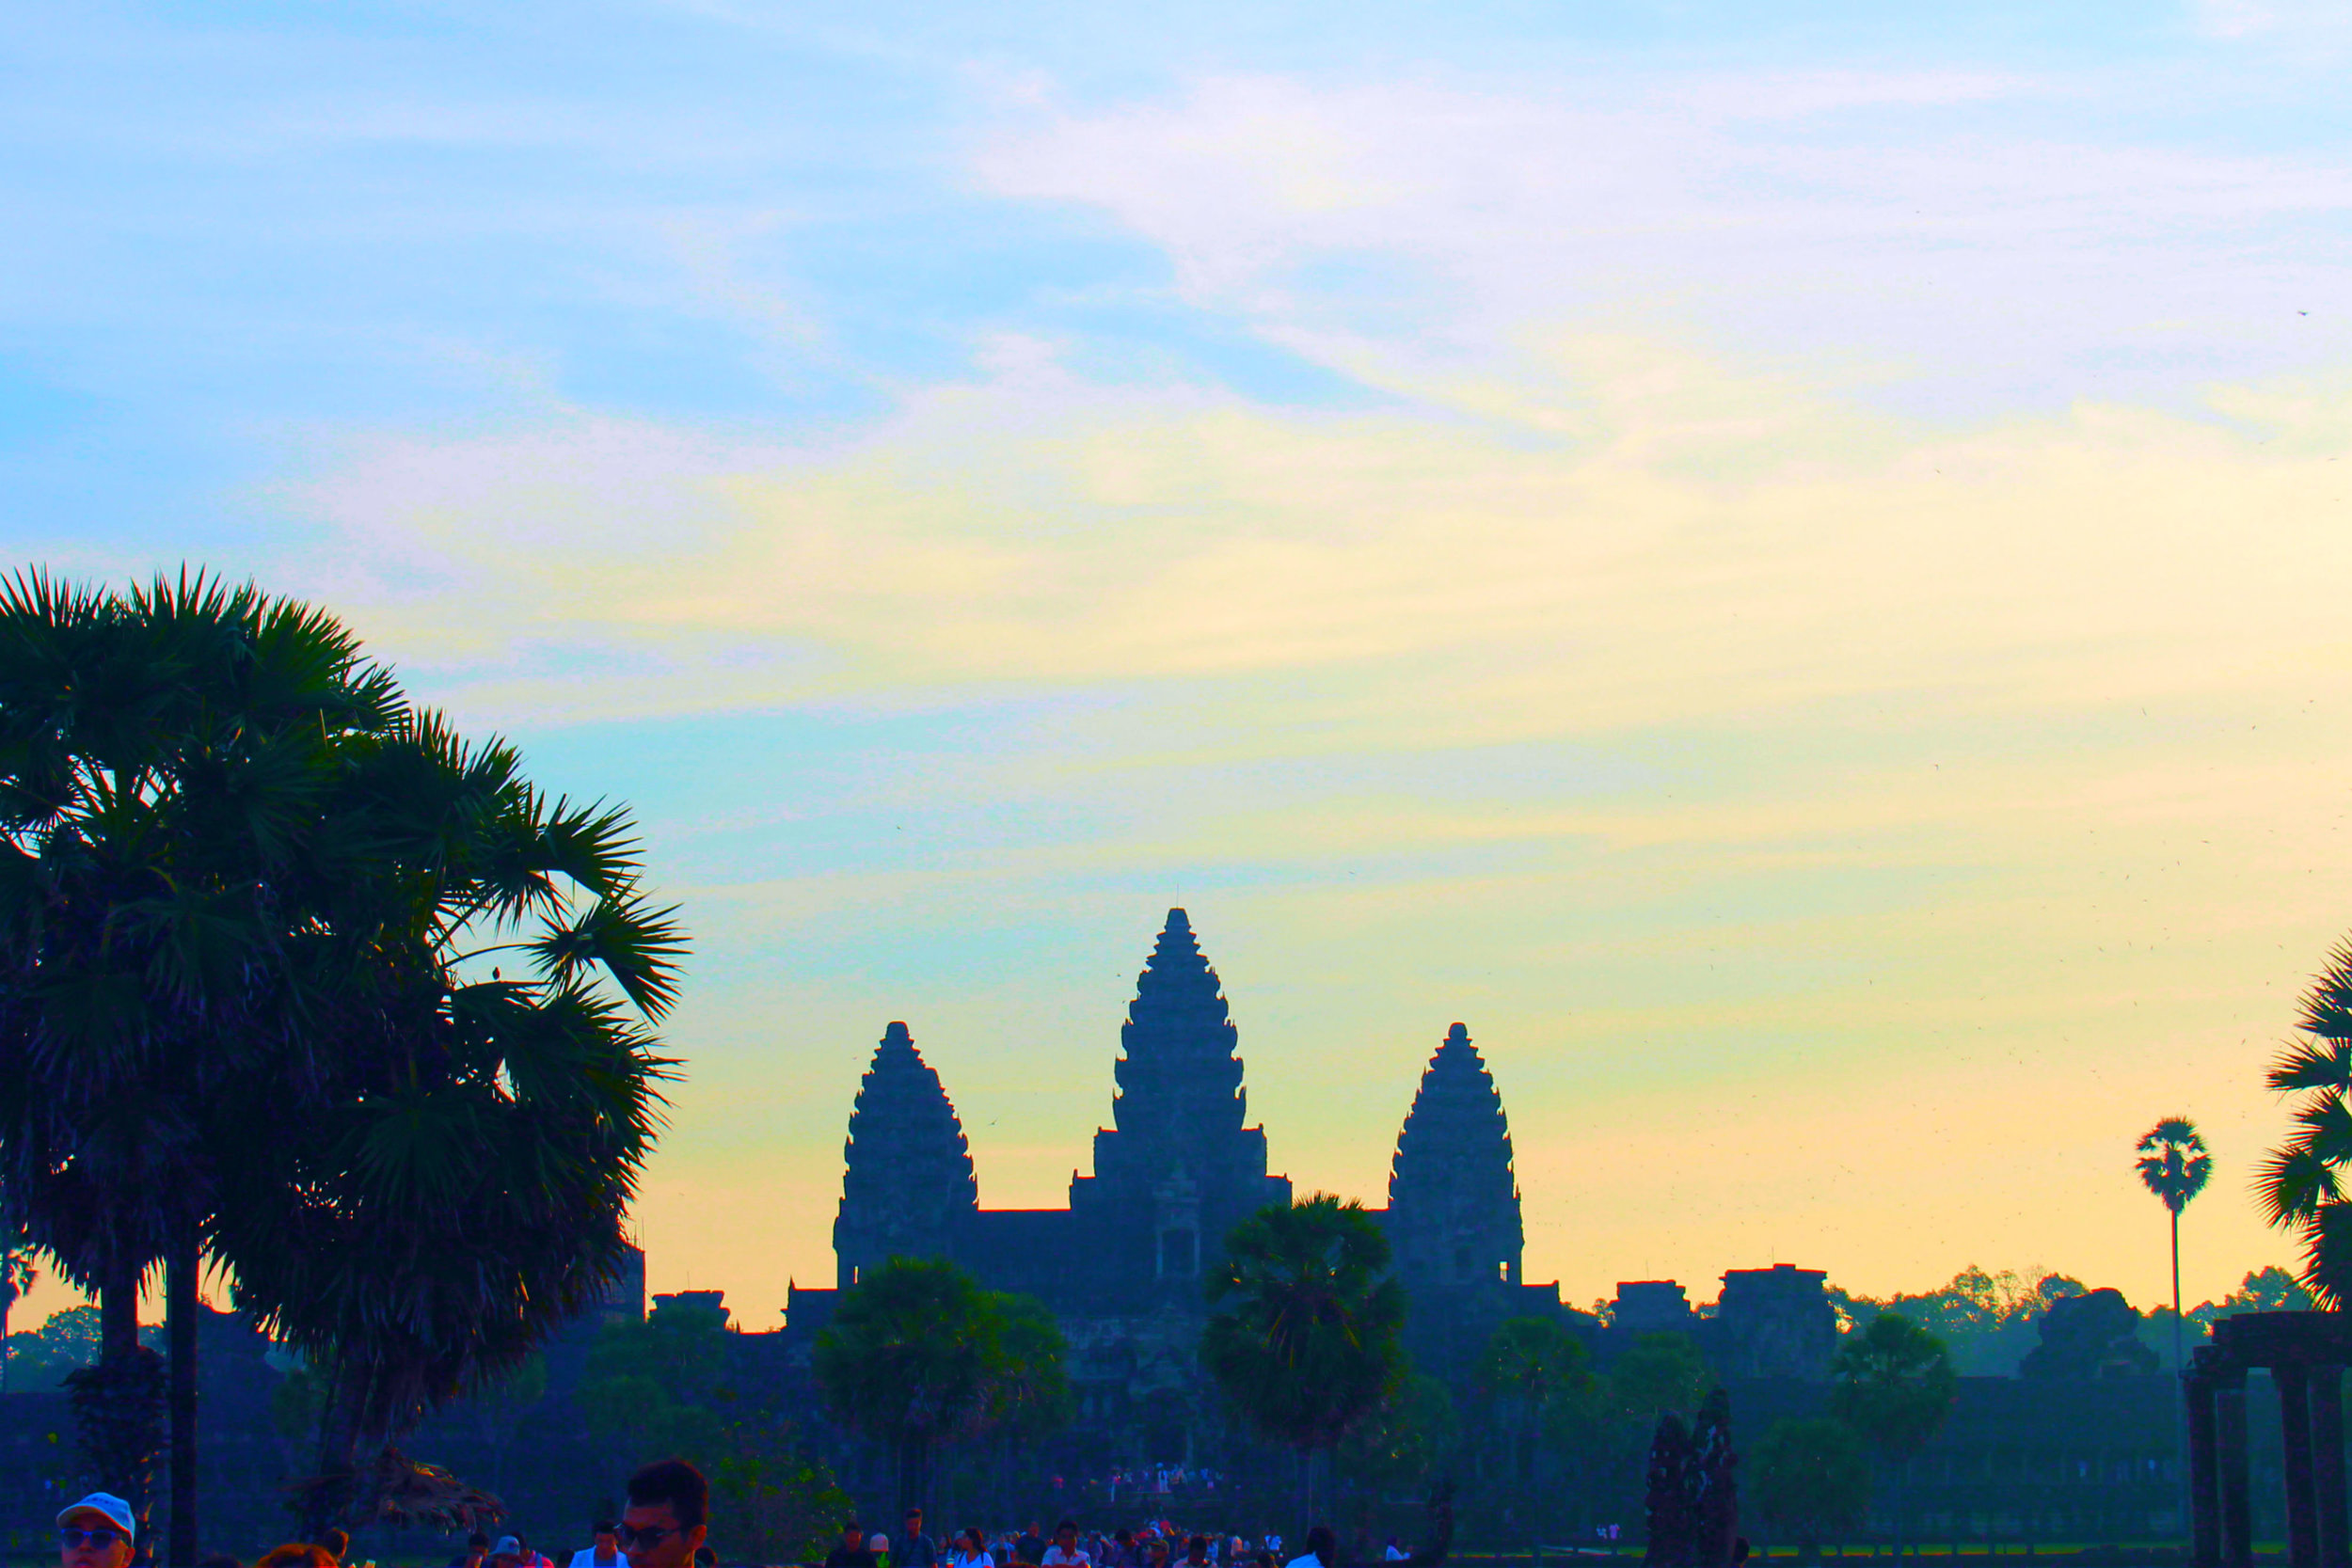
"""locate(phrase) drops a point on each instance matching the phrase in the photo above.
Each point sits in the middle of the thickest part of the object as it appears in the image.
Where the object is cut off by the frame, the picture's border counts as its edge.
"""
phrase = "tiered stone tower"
(910, 1189)
(1177, 1169)
(1453, 1202)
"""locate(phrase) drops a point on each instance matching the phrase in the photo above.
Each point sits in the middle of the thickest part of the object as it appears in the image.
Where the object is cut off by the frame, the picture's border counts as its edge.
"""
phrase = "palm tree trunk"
(2176, 1290)
(180, 1310)
(118, 1314)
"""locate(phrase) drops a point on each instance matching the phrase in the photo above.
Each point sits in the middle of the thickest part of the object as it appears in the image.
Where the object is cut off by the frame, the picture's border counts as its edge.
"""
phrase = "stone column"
(2335, 1549)
(2237, 1520)
(2205, 1473)
(2294, 1430)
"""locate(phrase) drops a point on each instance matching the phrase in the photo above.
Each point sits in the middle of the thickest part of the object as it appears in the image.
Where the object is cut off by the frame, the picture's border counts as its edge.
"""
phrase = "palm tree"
(162, 755)
(2175, 1166)
(2300, 1184)
(458, 1183)
(1304, 1322)
(236, 876)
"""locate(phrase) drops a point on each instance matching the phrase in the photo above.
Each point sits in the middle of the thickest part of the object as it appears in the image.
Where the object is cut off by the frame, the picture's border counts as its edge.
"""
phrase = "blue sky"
(1780, 562)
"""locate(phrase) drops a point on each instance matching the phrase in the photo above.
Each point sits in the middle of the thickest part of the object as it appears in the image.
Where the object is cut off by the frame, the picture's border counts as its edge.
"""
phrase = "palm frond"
(638, 946)
(2327, 1006)
(2311, 1065)
(2292, 1183)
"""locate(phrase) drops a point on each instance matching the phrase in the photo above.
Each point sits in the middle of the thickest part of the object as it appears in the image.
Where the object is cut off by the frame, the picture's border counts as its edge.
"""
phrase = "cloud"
(1646, 534)
(1898, 220)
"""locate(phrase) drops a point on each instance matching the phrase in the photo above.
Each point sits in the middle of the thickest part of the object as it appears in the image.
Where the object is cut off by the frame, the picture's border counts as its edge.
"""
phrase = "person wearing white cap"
(96, 1532)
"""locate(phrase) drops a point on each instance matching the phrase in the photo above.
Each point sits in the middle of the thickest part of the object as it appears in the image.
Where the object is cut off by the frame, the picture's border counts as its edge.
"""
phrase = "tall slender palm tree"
(2175, 1166)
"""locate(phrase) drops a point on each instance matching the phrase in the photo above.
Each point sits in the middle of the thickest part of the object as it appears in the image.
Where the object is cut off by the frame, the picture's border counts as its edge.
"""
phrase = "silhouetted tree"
(1811, 1480)
(1302, 1334)
(2300, 1183)
(1659, 1372)
(1894, 1384)
(2173, 1164)
(919, 1356)
(165, 756)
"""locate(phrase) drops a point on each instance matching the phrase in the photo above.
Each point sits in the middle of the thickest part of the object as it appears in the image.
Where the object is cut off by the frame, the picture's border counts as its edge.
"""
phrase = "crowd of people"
(1159, 1544)
(667, 1524)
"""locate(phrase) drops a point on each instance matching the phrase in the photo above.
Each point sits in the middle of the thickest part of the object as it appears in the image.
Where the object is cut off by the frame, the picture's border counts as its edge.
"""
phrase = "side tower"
(910, 1185)
(1176, 1170)
(1453, 1202)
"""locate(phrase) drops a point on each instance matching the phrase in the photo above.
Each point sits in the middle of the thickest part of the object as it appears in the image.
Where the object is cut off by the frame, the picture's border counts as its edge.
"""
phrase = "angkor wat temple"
(1176, 1170)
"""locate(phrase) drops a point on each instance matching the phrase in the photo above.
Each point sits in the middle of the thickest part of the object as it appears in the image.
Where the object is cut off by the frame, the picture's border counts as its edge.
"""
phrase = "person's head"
(477, 1544)
(1066, 1535)
(335, 1542)
(878, 1543)
(96, 1532)
(1158, 1548)
(853, 1536)
(668, 1514)
(606, 1536)
(295, 1554)
(1196, 1549)
(1125, 1536)
(507, 1553)
(971, 1540)
(915, 1521)
(1323, 1546)
(1740, 1550)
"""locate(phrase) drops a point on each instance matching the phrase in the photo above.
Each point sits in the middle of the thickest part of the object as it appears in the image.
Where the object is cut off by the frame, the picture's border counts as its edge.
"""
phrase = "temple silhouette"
(1179, 1167)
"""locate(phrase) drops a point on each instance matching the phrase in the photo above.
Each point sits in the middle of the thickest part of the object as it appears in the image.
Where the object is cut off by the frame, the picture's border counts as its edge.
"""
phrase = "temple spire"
(1454, 1201)
(909, 1177)
(1177, 1169)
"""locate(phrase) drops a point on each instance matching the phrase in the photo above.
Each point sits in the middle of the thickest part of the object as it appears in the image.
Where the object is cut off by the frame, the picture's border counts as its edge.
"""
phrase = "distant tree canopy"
(1811, 1480)
(1410, 1438)
(1894, 1384)
(1658, 1373)
(655, 1384)
(662, 1386)
(40, 1358)
(919, 1357)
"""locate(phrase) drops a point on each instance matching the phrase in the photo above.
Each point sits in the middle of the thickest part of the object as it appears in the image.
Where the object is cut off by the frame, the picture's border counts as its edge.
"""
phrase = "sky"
(1782, 563)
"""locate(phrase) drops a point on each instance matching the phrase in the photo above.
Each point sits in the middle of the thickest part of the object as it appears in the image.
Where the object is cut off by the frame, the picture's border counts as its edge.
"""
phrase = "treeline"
(1990, 1323)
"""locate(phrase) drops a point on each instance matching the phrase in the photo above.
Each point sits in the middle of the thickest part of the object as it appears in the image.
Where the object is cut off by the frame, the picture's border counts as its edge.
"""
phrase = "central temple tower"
(1177, 1169)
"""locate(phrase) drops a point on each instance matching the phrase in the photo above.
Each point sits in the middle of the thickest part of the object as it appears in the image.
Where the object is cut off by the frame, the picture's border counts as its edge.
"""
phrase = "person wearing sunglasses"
(96, 1532)
(669, 1508)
